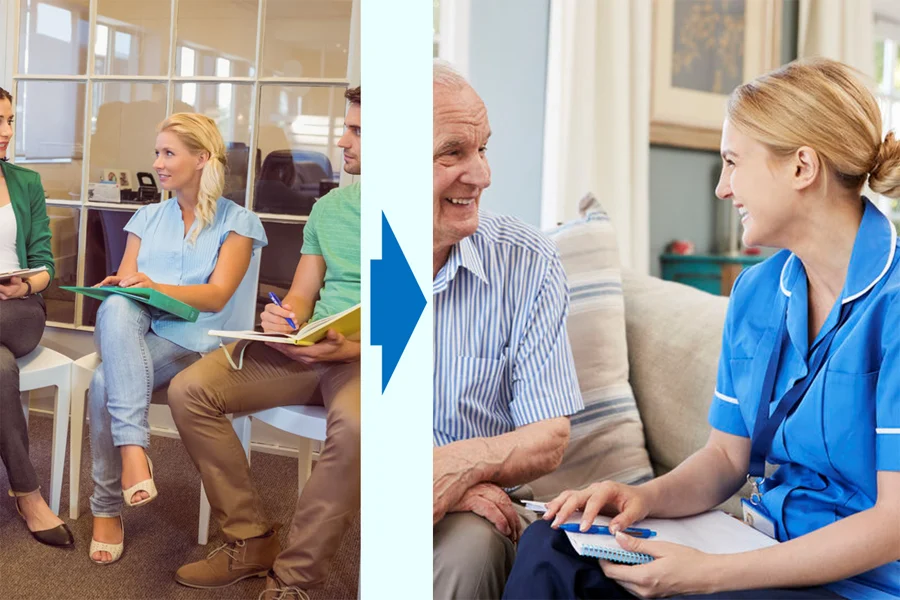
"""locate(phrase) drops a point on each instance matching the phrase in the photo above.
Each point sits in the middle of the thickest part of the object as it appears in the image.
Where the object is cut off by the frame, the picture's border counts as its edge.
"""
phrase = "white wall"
(6, 46)
(507, 66)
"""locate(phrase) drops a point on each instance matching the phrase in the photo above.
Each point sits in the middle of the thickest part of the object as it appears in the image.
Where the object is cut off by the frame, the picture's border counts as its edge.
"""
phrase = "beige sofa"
(674, 336)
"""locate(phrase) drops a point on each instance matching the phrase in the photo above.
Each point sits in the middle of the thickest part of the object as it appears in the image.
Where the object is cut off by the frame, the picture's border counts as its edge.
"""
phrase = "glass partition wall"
(93, 79)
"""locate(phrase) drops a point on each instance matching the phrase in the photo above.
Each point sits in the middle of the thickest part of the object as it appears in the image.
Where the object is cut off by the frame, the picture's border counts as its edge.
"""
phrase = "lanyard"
(765, 426)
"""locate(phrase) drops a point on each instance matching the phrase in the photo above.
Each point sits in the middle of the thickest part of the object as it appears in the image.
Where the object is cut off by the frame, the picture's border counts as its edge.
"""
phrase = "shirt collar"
(464, 255)
(872, 256)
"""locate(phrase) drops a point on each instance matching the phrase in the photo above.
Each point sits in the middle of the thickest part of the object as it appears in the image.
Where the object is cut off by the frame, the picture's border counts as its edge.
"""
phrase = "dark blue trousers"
(547, 568)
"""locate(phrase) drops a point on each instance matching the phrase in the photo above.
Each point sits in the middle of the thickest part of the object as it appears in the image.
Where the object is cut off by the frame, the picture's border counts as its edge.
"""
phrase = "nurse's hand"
(676, 569)
(628, 503)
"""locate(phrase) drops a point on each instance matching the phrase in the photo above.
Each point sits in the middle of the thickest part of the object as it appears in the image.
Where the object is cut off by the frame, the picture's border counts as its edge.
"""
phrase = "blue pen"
(277, 303)
(604, 530)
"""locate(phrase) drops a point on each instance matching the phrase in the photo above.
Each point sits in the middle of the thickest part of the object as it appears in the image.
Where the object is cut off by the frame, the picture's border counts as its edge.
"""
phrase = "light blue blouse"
(167, 256)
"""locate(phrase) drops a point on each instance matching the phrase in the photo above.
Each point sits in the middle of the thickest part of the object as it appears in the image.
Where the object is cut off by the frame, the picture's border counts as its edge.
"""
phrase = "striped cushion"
(607, 439)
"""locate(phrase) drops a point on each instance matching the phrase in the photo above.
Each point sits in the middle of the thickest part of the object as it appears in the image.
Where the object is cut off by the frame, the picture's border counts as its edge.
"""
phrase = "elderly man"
(504, 381)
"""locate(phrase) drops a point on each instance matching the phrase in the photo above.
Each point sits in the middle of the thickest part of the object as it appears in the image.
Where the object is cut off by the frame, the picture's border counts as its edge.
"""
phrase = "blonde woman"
(195, 247)
(808, 379)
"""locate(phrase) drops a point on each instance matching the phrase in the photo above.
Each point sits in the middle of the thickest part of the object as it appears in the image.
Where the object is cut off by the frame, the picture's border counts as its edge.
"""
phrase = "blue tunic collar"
(872, 256)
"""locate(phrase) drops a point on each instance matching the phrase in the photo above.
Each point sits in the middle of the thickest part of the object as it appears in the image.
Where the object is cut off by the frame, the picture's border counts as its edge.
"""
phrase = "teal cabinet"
(708, 272)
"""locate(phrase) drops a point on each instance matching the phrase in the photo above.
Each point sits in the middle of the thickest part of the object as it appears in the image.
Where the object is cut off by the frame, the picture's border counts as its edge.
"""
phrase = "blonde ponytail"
(200, 134)
(212, 183)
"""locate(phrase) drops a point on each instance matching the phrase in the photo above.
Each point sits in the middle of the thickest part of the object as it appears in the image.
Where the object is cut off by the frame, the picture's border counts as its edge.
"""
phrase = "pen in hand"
(277, 303)
(604, 530)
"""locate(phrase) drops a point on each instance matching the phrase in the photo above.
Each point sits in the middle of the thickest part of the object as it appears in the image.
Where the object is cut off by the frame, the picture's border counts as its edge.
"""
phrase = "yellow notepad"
(346, 323)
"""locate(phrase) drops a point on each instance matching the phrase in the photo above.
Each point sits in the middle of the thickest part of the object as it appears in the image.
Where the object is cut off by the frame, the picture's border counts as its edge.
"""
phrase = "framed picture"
(123, 178)
(702, 50)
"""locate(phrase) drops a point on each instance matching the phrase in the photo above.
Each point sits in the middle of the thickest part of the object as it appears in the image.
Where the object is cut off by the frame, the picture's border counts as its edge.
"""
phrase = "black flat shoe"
(59, 536)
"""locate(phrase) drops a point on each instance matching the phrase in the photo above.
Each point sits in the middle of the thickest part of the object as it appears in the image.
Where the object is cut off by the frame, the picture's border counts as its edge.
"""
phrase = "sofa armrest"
(674, 338)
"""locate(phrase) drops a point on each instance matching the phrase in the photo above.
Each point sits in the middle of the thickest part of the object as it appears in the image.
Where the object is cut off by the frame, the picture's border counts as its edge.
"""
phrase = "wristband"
(28, 293)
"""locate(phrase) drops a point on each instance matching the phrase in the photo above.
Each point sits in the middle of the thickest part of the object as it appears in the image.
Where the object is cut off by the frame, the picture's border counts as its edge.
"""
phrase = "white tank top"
(9, 260)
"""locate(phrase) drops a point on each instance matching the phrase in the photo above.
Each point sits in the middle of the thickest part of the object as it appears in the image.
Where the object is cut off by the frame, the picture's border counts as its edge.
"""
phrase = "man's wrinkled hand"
(452, 476)
(491, 502)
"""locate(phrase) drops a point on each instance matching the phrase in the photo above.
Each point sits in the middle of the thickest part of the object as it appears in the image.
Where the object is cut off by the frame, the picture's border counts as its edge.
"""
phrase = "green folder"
(144, 295)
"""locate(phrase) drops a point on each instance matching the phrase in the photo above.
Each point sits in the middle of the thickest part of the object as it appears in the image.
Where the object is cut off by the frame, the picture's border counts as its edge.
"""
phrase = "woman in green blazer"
(24, 244)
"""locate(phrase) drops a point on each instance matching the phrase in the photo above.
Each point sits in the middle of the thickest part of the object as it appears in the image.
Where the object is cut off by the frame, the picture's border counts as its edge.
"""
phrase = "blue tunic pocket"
(848, 422)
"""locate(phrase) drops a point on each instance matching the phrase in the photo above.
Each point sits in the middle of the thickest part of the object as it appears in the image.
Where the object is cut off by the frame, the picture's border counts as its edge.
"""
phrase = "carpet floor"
(159, 537)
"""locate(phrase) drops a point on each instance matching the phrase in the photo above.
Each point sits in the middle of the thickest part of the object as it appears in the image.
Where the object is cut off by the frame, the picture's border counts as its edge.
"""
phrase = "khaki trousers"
(471, 558)
(200, 398)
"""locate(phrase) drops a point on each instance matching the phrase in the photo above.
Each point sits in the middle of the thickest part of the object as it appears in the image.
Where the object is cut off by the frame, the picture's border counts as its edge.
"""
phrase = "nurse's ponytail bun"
(885, 176)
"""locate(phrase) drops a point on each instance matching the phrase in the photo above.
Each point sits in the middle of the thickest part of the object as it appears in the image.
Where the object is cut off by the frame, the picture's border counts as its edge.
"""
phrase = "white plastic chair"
(83, 370)
(306, 422)
(42, 368)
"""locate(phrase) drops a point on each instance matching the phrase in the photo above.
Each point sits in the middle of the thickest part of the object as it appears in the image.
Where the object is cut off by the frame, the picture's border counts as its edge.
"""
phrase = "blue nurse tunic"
(847, 426)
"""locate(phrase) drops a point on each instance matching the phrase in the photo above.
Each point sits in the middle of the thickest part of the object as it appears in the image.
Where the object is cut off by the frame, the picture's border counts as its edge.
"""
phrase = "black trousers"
(21, 327)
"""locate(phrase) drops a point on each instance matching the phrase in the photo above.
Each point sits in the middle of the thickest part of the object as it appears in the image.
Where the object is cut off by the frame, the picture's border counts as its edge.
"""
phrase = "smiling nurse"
(809, 375)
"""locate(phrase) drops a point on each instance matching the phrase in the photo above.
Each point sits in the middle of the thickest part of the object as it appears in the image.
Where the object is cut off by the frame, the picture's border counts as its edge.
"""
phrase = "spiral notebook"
(713, 532)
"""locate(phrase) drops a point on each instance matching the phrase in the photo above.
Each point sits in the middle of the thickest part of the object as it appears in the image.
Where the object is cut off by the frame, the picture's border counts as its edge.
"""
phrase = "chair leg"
(304, 463)
(243, 429)
(60, 431)
(80, 384)
(25, 397)
(203, 528)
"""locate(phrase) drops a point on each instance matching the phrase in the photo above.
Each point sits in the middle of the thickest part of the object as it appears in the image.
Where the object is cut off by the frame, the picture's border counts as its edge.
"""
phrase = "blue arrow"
(397, 302)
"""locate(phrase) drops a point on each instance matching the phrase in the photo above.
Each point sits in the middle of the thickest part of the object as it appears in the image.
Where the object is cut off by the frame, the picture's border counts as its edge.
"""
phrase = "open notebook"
(714, 532)
(346, 323)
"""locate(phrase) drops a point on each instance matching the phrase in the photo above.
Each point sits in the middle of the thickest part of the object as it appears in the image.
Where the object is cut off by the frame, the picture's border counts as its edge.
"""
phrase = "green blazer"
(32, 223)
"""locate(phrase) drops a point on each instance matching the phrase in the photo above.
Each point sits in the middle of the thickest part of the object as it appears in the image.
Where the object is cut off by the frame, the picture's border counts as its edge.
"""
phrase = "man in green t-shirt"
(326, 282)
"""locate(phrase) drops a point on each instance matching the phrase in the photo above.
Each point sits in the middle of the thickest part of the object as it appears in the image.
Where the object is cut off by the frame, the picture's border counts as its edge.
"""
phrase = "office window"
(94, 78)
(887, 78)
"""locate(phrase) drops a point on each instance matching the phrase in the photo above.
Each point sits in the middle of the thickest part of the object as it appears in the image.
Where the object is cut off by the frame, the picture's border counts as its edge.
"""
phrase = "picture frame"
(702, 50)
(122, 177)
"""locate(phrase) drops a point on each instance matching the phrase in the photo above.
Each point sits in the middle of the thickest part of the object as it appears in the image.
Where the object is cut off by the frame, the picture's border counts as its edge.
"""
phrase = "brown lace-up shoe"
(279, 590)
(232, 562)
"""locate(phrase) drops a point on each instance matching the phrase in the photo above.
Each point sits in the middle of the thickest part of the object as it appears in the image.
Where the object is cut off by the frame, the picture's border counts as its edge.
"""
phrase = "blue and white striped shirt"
(501, 352)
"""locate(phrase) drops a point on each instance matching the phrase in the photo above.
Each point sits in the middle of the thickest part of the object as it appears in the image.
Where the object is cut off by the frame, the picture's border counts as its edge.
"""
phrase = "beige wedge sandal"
(115, 550)
(148, 485)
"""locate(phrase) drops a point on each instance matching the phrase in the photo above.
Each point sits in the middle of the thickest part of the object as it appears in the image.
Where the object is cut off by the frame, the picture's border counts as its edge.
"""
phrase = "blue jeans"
(548, 567)
(136, 362)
